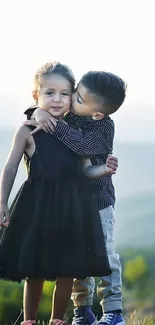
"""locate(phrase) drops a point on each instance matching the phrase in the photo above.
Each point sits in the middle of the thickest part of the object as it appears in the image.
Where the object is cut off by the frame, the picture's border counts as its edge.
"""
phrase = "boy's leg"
(61, 296)
(31, 298)
(110, 287)
(83, 292)
(82, 296)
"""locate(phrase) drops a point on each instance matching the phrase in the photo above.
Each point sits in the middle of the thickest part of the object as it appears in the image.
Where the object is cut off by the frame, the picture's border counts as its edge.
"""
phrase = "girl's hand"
(112, 164)
(4, 215)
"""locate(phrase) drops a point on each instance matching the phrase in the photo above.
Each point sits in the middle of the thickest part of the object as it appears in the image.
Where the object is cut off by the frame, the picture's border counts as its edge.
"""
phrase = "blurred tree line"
(138, 280)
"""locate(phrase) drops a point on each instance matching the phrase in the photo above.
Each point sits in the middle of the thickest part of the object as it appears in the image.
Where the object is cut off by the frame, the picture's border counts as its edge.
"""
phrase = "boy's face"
(54, 95)
(84, 103)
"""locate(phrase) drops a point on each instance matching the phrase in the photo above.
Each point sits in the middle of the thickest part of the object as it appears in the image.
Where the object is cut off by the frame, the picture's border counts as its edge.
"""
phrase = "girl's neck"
(58, 118)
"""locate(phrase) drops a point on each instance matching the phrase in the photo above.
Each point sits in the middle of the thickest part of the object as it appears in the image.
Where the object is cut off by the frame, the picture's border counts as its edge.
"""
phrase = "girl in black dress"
(53, 229)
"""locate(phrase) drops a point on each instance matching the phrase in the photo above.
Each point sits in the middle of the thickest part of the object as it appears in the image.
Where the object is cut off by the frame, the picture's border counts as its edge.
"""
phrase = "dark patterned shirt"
(93, 139)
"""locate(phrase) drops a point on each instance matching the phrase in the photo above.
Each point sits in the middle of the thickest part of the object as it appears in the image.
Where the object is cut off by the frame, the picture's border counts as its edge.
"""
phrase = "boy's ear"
(35, 95)
(98, 116)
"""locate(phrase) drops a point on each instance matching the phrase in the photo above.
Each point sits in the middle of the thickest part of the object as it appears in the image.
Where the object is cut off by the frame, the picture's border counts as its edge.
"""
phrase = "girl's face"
(54, 95)
(84, 103)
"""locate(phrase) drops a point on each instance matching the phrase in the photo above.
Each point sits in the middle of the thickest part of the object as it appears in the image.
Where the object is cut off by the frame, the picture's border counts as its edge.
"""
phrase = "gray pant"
(109, 288)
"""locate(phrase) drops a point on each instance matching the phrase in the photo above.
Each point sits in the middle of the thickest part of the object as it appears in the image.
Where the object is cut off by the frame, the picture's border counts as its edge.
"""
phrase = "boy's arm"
(98, 141)
(11, 167)
(95, 172)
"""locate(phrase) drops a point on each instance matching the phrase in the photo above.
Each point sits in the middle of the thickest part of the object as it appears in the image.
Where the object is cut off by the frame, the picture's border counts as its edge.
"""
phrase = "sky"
(113, 35)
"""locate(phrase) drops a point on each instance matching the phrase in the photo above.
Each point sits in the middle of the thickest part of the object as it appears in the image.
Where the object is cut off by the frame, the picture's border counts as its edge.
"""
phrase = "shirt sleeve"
(96, 142)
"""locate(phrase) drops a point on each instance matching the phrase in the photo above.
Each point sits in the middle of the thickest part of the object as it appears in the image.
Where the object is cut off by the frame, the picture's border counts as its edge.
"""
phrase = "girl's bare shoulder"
(23, 132)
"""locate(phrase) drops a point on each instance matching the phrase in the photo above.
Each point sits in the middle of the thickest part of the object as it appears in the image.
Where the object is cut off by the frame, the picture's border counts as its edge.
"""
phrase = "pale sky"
(115, 36)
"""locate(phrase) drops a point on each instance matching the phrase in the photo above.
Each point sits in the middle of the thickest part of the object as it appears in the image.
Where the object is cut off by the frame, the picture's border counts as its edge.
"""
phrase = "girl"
(47, 234)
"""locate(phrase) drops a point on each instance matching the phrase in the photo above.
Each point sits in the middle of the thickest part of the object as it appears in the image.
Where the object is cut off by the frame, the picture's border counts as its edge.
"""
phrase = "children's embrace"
(54, 229)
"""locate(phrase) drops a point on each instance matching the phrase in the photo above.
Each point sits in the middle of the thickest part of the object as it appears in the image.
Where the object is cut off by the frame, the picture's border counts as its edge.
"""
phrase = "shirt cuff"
(61, 131)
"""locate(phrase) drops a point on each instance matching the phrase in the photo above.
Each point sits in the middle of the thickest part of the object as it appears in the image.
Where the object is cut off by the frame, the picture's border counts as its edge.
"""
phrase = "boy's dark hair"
(107, 88)
(53, 68)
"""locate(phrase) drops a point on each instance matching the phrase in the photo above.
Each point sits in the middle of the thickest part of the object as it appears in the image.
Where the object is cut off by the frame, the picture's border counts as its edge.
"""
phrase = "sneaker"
(111, 319)
(83, 316)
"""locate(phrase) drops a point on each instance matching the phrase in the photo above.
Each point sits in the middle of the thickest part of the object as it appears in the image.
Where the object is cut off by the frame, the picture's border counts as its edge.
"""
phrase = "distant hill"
(135, 221)
(135, 190)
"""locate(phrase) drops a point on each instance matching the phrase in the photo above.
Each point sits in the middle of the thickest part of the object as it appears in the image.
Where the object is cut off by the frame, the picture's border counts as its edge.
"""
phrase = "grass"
(133, 319)
(136, 319)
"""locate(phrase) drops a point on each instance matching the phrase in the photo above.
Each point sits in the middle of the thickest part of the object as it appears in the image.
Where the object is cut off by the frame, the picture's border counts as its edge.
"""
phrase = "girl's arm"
(11, 166)
(95, 172)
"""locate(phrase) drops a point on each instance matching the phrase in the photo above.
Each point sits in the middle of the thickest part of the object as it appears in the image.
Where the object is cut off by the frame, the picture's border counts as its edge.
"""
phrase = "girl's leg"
(61, 295)
(31, 298)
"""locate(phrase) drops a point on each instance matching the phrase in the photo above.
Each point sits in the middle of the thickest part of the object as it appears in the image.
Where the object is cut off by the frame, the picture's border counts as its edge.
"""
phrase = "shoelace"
(106, 318)
(77, 320)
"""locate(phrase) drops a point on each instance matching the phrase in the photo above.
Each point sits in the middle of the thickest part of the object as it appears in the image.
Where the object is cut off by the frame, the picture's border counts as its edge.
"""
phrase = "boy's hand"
(112, 164)
(43, 121)
(4, 215)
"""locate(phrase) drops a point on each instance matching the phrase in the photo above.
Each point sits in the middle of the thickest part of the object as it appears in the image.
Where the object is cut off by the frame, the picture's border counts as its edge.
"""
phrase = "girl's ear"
(35, 95)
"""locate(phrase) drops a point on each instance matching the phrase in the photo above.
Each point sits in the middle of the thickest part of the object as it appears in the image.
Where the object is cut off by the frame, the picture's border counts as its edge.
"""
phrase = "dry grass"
(136, 319)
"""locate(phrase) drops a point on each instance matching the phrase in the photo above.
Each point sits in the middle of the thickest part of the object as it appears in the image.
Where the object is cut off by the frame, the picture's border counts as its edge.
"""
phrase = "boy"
(90, 133)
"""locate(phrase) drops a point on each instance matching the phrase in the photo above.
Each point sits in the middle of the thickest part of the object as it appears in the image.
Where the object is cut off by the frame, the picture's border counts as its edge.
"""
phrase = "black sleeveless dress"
(55, 229)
